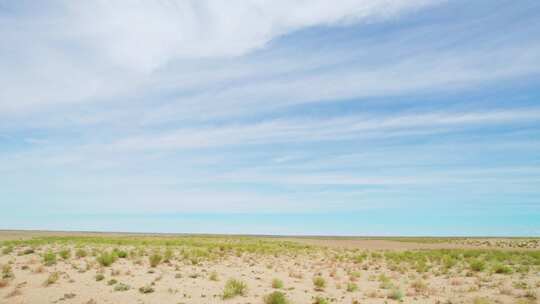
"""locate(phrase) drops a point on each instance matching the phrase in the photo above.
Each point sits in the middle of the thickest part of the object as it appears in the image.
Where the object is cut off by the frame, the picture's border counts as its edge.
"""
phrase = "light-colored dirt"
(179, 281)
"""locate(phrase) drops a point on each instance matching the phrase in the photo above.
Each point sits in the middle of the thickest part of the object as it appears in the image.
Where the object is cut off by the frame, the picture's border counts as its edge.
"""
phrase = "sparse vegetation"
(352, 287)
(121, 287)
(53, 278)
(277, 283)
(155, 259)
(49, 258)
(234, 288)
(276, 297)
(146, 289)
(106, 259)
(319, 283)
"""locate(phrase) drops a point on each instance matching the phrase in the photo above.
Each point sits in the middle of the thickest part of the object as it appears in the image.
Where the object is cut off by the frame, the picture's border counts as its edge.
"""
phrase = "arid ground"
(54, 267)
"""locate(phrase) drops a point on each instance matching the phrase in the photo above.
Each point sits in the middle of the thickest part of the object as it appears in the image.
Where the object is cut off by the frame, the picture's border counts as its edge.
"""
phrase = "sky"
(343, 117)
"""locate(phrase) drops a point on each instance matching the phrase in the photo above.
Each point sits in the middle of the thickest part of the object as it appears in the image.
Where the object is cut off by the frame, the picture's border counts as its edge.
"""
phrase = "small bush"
(7, 250)
(121, 253)
(276, 297)
(28, 251)
(65, 254)
(277, 283)
(81, 253)
(319, 283)
(100, 277)
(146, 289)
(155, 259)
(396, 294)
(234, 288)
(213, 276)
(477, 265)
(352, 287)
(320, 300)
(503, 269)
(121, 287)
(168, 255)
(53, 278)
(7, 272)
(49, 258)
(112, 282)
(106, 259)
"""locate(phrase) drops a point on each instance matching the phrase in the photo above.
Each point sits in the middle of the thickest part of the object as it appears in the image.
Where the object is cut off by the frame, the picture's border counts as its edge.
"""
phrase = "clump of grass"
(121, 253)
(121, 287)
(419, 286)
(320, 300)
(477, 265)
(234, 288)
(155, 259)
(146, 289)
(28, 251)
(319, 283)
(106, 259)
(396, 294)
(65, 254)
(503, 269)
(385, 282)
(277, 283)
(276, 297)
(49, 258)
(81, 253)
(167, 257)
(112, 282)
(7, 272)
(99, 277)
(7, 250)
(53, 278)
(213, 276)
(352, 287)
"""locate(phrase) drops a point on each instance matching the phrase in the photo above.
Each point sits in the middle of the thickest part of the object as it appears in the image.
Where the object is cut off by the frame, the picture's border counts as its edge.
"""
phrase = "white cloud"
(146, 34)
(67, 52)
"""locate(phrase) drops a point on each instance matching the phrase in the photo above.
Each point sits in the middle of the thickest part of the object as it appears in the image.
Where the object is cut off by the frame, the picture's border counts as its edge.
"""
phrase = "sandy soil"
(179, 281)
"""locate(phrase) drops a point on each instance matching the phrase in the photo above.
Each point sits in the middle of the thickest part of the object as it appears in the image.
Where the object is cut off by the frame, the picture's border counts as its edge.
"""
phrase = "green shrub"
(53, 277)
(49, 258)
(81, 253)
(7, 250)
(106, 259)
(28, 251)
(168, 255)
(121, 253)
(477, 265)
(234, 288)
(7, 273)
(500, 268)
(155, 259)
(320, 300)
(99, 277)
(277, 283)
(319, 283)
(112, 282)
(146, 289)
(121, 287)
(65, 254)
(276, 297)
(352, 287)
(396, 294)
(213, 276)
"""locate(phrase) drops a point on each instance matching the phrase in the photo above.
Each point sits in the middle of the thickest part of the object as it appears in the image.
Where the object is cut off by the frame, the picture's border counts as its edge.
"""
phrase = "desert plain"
(92, 268)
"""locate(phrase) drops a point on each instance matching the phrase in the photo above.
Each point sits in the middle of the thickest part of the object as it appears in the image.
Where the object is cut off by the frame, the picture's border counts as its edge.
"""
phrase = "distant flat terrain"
(92, 268)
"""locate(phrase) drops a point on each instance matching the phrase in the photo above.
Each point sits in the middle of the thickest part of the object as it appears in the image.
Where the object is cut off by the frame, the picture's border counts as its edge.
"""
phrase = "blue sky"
(350, 117)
